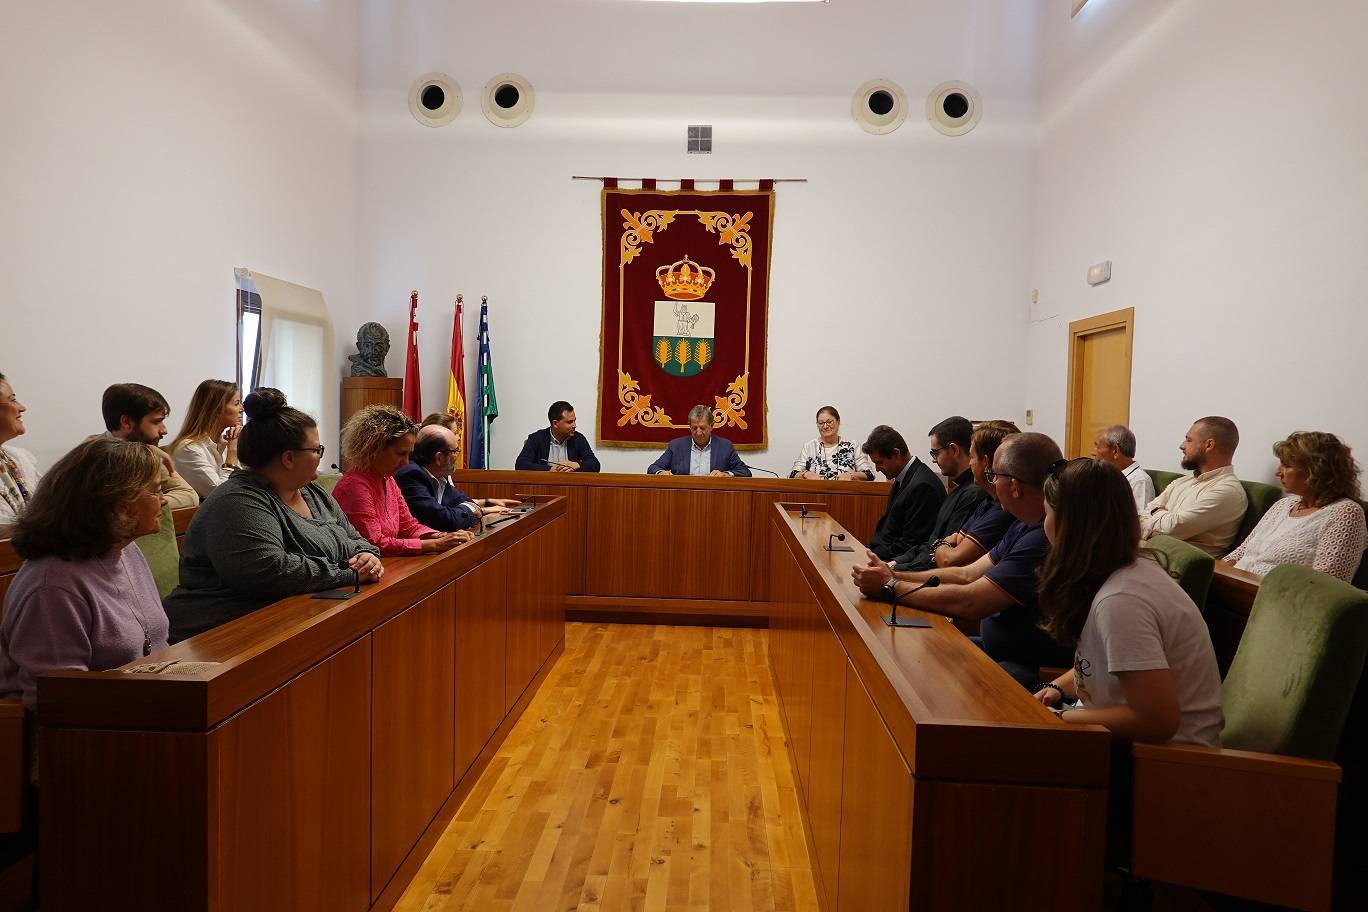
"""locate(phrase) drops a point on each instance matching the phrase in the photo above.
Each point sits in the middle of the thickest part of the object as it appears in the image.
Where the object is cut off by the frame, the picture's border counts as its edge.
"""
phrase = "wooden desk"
(673, 548)
(929, 779)
(315, 764)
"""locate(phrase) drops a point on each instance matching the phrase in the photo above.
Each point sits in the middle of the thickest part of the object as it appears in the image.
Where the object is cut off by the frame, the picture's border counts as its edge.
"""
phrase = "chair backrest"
(1189, 565)
(162, 554)
(1162, 479)
(328, 481)
(1261, 498)
(1294, 676)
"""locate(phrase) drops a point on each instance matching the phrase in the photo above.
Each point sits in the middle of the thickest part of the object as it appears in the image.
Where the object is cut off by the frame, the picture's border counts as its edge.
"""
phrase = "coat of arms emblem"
(682, 339)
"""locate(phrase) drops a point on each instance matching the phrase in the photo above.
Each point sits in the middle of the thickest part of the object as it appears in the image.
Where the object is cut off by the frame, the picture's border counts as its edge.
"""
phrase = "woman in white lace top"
(1319, 524)
(829, 457)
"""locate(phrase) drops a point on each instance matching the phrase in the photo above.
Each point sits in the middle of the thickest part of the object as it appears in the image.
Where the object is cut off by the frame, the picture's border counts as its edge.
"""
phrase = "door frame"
(1079, 331)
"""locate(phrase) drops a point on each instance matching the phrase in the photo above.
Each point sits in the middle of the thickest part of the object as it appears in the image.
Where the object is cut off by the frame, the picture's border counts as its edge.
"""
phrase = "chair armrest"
(1253, 825)
(1235, 588)
(1272, 765)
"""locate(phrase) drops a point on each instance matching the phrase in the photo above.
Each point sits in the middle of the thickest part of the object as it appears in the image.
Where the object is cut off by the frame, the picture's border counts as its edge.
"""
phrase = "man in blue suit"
(558, 448)
(700, 453)
(426, 485)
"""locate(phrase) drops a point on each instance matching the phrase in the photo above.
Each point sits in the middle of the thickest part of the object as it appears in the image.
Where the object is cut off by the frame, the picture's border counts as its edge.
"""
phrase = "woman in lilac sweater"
(83, 598)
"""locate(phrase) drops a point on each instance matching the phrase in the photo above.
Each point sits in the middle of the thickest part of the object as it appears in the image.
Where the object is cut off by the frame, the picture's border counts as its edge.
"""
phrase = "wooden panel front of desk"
(926, 775)
(315, 765)
(676, 548)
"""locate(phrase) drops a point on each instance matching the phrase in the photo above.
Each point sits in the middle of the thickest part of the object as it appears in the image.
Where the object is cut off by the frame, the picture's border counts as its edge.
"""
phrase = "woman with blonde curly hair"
(376, 442)
(83, 598)
(1319, 524)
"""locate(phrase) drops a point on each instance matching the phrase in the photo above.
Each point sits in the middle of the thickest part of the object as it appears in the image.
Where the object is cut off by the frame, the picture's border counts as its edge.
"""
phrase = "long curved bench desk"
(928, 777)
(315, 758)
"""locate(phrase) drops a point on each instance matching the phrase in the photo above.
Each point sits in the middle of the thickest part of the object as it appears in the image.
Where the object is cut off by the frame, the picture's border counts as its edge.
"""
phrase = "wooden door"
(1099, 377)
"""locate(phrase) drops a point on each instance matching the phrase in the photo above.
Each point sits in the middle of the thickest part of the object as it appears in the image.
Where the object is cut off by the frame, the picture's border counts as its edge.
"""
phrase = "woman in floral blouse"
(829, 458)
(18, 472)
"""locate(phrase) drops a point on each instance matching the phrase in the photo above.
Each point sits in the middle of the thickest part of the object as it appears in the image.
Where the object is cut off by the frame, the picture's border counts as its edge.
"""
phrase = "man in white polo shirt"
(1116, 444)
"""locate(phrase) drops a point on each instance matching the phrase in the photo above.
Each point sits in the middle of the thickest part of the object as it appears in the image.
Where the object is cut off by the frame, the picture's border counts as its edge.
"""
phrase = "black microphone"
(336, 468)
(758, 469)
(838, 536)
(894, 621)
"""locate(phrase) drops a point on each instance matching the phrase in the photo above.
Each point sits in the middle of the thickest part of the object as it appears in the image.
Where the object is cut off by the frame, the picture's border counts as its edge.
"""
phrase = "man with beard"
(138, 413)
(1204, 510)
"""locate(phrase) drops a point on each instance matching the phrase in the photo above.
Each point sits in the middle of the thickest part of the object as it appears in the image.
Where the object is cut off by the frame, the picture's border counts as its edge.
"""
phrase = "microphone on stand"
(894, 621)
(758, 469)
(838, 536)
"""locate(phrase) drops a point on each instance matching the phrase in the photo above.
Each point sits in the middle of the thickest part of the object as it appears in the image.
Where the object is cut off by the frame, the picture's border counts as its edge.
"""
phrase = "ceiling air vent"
(700, 139)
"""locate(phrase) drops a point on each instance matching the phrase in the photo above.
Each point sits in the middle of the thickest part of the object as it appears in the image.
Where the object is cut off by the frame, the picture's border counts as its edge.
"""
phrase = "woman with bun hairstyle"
(268, 531)
(376, 443)
(205, 450)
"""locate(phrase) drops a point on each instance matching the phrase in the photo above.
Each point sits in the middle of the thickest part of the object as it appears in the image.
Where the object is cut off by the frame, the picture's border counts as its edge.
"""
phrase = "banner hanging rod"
(700, 180)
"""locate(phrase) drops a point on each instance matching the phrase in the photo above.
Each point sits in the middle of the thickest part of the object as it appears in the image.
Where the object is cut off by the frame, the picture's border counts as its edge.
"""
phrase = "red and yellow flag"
(456, 399)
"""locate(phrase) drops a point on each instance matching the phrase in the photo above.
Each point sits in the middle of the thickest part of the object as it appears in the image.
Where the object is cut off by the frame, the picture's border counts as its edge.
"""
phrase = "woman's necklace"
(137, 615)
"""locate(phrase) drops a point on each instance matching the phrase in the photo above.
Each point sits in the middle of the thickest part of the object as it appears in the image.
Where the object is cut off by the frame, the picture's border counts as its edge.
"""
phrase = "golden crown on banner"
(682, 283)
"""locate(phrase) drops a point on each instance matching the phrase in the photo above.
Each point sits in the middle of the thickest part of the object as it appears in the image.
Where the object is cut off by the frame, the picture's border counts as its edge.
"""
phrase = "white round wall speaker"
(435, 100)
(879, 106)
(954, 108)
(508, 100)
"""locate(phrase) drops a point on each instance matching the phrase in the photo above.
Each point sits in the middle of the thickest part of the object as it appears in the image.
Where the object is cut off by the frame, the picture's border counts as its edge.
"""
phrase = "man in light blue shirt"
(700, 453)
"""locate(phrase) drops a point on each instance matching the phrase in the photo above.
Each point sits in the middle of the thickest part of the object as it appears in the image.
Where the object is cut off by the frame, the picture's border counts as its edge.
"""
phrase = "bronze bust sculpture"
(372, 345)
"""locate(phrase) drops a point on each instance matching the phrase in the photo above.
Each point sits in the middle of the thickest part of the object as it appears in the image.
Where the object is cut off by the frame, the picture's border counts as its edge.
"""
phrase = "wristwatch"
(890, 588)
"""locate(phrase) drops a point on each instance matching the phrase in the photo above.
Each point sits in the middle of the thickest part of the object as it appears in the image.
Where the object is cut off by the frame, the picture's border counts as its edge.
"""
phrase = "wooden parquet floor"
(648, 773)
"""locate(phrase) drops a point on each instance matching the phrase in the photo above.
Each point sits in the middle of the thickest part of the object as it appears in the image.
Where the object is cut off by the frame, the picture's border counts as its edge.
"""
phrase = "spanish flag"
(456, 407)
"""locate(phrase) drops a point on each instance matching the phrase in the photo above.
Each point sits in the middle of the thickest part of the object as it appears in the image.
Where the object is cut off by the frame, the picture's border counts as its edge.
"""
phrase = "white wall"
(149, 148)
(899, 270)
(1216, 156)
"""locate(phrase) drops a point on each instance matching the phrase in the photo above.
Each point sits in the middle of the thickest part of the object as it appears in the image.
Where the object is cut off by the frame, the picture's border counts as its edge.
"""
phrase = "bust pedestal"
(358, 392)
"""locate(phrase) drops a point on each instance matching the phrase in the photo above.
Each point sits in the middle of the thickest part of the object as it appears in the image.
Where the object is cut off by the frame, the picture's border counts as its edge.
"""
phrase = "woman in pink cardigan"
(376, 442)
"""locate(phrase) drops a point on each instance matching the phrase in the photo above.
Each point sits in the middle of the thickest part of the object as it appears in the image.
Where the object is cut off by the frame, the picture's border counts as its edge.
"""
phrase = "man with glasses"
(998, 589)
(949, 442)
(426, 485)
(913, 502)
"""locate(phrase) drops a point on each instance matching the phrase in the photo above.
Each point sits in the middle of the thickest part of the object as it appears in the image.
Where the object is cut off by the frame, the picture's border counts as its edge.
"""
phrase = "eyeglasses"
(827, 423)
(936, 451)
(318, 450)
(990, 476)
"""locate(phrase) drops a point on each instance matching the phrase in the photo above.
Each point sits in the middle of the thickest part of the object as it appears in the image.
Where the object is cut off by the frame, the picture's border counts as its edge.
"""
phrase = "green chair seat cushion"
(1295, 674)
(328, 481)
(162, 554)
(1189, 565)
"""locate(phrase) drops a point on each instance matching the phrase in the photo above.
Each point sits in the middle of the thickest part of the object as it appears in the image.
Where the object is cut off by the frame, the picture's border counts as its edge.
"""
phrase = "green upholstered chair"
(1162, 479)
(162, 554)
(328, 480)
(1189, 565)
(1261, 498)
(1256, 818)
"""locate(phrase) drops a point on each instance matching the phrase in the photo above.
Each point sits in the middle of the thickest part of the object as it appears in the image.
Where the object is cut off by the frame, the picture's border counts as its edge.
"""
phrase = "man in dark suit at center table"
(701, 453)
(558, 448)
(914, 501)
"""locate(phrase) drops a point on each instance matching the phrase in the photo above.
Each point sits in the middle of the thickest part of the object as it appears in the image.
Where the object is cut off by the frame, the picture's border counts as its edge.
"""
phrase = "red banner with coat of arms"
(685, 313)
